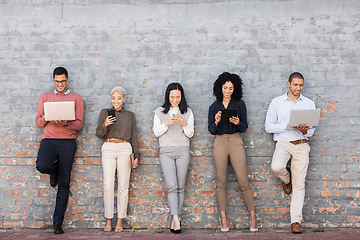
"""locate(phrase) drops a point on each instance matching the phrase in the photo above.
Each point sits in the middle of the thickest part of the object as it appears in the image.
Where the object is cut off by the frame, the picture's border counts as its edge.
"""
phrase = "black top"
(227, 128)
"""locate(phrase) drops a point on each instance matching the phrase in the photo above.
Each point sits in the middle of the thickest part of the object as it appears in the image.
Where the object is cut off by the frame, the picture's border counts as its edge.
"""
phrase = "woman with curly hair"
(228, 142)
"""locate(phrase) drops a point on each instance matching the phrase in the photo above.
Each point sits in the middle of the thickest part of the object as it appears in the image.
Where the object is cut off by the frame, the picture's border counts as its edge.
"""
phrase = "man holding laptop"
(291, 143)
(57, 148)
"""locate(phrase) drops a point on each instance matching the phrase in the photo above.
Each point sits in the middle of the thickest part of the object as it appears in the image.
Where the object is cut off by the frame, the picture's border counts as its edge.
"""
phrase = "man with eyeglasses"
(58, 146)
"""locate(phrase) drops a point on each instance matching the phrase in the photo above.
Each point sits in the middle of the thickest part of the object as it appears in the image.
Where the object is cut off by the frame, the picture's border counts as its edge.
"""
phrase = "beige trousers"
(231, 146)
(116, 156)
(299, 155)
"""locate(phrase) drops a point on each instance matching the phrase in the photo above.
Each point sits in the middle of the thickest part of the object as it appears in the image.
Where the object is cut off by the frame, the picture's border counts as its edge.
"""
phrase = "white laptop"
(59, 111)
(309, 116)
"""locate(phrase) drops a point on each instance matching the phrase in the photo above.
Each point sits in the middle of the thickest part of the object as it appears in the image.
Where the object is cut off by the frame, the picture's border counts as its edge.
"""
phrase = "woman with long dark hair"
(174, 126)
(228, 142)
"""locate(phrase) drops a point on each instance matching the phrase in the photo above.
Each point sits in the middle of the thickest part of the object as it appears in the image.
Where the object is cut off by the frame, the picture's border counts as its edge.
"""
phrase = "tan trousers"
(116, 156)
(225, 146)
(299, 155)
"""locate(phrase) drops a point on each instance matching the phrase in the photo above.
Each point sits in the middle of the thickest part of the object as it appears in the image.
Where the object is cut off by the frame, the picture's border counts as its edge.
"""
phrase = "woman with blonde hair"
(117, 127)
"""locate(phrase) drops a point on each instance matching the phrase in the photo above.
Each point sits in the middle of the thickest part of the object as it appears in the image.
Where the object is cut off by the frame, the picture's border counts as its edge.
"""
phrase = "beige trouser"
(299, 155)
(116, 156)
(225, 146)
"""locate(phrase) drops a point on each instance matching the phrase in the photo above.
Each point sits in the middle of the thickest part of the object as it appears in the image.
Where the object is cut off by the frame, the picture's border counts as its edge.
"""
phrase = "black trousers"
(58, 155)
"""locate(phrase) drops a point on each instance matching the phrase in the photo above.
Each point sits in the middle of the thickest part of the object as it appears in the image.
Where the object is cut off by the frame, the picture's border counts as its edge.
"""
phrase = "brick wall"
(143, 46)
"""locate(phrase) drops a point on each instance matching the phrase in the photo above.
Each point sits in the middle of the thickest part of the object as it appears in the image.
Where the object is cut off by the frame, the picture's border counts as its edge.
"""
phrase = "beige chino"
(231, 146)
(299, 155)
(116, 156)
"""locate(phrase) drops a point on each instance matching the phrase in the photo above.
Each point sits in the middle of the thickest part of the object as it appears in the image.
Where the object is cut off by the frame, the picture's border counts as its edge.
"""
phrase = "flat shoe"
(119, 229)
(107, 229)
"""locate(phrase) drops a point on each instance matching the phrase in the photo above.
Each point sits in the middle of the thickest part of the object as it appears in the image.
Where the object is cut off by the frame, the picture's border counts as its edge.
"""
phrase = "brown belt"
(116, 141)
(299, 141)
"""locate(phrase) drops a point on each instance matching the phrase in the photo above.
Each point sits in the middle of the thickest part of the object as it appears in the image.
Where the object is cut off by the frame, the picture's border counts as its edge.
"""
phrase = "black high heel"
(178, 230)
(171, 229)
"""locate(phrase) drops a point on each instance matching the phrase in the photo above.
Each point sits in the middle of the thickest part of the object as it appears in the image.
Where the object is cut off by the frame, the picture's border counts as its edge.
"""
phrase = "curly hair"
(228, 77)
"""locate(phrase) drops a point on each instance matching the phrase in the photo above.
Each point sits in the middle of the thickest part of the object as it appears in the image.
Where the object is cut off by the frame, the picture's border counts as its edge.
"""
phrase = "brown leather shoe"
(287, 187)
(296, 228)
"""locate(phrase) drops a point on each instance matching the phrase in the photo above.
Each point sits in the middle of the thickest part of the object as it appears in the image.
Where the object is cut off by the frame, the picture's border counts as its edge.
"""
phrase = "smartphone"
(176, 115)
(111, 112)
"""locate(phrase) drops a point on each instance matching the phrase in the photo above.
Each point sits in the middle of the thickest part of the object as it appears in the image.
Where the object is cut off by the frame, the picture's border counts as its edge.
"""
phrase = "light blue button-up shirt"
(65, 93)
(278, 116)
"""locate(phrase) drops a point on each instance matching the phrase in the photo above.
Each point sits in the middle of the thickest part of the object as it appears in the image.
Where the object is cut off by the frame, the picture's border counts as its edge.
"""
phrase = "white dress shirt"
(278, 115)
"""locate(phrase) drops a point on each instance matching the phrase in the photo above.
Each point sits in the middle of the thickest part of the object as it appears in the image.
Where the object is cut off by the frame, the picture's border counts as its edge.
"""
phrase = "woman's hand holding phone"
(109, 120)
(176, 118)
(182, 121)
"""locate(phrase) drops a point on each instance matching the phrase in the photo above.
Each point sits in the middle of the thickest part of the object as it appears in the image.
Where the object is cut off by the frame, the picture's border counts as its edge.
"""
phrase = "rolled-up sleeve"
(271, 122)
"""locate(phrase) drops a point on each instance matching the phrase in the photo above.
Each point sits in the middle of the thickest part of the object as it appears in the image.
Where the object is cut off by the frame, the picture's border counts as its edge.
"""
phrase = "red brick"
(13, 224)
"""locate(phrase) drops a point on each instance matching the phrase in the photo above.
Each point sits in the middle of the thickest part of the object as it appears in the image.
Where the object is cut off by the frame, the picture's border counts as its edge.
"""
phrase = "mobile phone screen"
(111, 112)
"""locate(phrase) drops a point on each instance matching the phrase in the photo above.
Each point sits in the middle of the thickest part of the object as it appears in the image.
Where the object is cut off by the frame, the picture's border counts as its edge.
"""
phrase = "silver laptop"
(59, 111)
(309, 116)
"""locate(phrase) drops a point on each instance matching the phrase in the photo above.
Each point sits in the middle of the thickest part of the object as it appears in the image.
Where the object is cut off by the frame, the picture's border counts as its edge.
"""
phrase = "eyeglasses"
(58, 82)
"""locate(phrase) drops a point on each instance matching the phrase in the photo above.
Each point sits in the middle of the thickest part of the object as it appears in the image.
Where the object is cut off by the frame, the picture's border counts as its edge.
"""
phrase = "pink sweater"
(52, 130)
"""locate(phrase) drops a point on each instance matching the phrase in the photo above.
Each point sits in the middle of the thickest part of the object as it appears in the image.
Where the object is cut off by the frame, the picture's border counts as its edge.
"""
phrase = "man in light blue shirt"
(291, 143)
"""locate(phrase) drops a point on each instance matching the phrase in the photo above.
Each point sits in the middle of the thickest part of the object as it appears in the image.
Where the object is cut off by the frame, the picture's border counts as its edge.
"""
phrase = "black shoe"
(58, 228)
(53, 180)
(178, 230)
(171, 229)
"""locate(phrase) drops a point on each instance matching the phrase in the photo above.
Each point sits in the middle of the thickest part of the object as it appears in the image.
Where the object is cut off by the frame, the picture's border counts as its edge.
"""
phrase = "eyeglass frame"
(62, 81)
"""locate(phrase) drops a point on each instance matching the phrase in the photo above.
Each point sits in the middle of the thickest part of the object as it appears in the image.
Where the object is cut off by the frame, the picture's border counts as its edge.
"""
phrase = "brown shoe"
(296, 228)
(287, 187)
